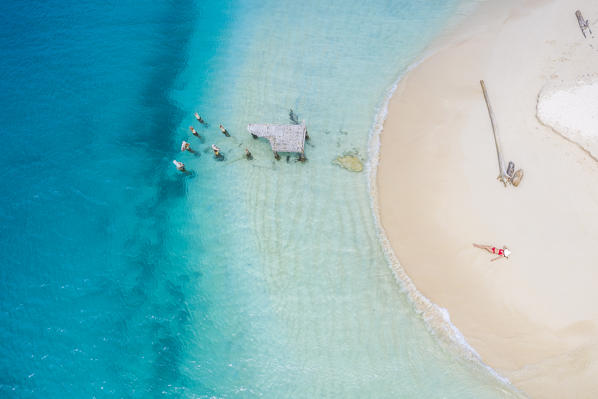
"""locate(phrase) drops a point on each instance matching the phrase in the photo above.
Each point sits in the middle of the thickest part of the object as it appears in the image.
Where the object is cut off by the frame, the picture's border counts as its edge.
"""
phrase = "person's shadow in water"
(188, 174)
(201, 139)
(194, 153)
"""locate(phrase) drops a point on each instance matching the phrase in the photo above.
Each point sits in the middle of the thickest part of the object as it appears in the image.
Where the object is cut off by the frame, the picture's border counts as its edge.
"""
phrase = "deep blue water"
(86, 128)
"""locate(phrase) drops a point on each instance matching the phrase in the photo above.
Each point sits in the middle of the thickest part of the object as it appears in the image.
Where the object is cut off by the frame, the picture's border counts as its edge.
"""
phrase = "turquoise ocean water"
(121, 277)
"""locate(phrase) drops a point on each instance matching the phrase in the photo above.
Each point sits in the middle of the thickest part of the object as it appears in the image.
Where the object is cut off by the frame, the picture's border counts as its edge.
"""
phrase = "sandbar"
(532, 318)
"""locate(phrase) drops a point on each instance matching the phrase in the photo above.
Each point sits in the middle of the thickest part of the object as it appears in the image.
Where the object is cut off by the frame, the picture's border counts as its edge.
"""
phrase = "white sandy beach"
(533, 317)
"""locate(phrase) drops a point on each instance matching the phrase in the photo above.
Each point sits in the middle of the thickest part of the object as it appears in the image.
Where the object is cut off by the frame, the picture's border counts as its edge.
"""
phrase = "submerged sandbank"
(532, 317)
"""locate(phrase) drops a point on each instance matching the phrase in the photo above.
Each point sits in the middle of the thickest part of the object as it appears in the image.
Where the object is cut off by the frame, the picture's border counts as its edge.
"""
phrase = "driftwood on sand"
(583, 23)
(502, 175)
(508, 176)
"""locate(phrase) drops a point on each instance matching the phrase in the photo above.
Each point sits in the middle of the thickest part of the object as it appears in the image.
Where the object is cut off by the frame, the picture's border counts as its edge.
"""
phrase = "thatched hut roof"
(283, 138)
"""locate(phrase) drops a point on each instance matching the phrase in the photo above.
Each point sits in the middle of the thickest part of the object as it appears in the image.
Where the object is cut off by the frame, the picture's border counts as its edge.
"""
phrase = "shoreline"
(532, 376)
(436, 318)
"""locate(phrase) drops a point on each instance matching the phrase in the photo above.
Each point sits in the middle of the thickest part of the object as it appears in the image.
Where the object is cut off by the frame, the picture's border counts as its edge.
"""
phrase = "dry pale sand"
(534, 318)
(570, 108)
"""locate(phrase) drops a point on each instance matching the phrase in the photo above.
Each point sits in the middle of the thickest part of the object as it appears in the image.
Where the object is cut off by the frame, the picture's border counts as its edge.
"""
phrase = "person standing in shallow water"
(186, 147)
(248, 154)
(193, 131)
(503, 252)
(179, 165)
(199, 119)
(224, 131)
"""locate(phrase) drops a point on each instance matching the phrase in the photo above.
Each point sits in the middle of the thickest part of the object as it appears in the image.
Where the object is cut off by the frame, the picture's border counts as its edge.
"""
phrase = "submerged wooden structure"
(583, 23)
(282, 138)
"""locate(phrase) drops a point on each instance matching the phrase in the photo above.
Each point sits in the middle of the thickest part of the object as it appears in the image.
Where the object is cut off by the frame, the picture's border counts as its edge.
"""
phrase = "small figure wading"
(248, 154)
(179, 165)
(503, 252)
(193, 131)
(224, 131)
(216, 151)
(199, 119)
(186, 147)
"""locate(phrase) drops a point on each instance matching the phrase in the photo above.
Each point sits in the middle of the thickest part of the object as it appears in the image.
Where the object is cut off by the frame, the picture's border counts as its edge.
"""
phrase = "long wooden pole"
(502, 176)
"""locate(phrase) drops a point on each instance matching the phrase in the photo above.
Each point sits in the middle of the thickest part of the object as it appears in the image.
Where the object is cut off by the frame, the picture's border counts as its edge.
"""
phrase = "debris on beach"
(349, 161)
(504, 176)
(516, 179)
(583, 23)
(510, 169)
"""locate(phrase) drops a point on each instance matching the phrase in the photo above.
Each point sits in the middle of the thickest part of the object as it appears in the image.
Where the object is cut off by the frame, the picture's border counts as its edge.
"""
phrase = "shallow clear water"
(123, 278)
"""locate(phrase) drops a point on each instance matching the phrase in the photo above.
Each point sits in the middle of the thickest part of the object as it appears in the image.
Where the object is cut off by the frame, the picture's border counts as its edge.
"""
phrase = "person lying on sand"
(501, 252)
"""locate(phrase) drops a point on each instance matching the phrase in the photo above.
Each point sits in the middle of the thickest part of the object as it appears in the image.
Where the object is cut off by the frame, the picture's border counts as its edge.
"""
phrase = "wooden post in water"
(502, 176)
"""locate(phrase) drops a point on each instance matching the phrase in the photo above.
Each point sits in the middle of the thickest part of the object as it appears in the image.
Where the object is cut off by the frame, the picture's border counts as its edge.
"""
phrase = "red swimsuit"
(500, 252)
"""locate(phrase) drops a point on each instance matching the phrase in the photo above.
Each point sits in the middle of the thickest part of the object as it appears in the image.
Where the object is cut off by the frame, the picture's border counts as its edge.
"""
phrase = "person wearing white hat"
(185, 146)
(503, 252)
(179, 165)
